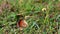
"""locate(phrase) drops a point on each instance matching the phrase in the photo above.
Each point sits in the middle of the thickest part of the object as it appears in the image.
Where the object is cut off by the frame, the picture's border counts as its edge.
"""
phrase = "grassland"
(44, 16)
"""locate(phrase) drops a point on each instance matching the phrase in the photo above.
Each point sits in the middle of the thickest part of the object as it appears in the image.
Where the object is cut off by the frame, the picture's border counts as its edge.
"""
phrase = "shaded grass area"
(44, 16)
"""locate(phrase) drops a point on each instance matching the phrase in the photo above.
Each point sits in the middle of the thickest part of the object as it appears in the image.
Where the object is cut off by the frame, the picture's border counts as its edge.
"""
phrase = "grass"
(41, 21)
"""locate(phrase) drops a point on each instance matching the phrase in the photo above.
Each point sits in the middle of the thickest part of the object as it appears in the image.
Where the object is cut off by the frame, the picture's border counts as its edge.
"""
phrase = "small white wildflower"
(43, 9)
